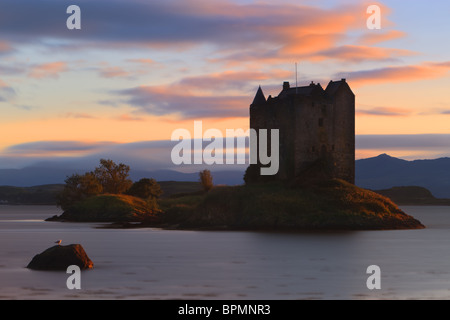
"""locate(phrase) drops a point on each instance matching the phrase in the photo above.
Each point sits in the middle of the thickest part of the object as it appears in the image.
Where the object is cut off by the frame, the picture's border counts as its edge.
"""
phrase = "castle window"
(332, 147)
(321, 122)
(313, 149)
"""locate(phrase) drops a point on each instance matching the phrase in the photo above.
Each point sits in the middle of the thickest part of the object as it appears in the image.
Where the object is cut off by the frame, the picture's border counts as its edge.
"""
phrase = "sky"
(138, 70)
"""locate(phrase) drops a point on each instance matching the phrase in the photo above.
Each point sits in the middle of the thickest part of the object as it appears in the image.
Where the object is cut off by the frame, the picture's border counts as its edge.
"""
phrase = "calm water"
(159, 264)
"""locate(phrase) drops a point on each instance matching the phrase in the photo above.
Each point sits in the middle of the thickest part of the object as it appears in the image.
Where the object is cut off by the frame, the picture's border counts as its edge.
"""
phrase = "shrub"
(206, 180)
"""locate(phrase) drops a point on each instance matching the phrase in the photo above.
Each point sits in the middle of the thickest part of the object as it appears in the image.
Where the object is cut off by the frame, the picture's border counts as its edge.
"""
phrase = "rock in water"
(60, 258)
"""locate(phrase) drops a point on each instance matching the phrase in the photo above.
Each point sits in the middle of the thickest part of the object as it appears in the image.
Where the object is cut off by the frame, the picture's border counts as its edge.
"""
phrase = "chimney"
(286, 85)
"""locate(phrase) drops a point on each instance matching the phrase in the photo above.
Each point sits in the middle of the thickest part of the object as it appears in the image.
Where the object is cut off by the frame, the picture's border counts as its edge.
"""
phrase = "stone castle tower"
(316, 128)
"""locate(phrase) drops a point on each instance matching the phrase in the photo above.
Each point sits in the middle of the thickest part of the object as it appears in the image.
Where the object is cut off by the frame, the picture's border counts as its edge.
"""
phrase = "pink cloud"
(5, 47)
(48, 70)
(113, 72)
(142, 61)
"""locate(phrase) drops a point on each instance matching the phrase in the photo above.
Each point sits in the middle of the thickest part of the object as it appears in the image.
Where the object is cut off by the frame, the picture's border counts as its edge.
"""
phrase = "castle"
(316, 128)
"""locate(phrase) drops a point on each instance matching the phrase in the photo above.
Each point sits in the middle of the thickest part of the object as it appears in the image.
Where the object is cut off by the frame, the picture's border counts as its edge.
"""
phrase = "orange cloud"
(48, 70)
(354, 53)
(375, 37)
(398, 74)
(293, 32)
(309, 44)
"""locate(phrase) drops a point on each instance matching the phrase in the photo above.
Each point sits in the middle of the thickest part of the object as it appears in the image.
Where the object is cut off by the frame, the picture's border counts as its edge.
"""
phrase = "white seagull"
(58, 242)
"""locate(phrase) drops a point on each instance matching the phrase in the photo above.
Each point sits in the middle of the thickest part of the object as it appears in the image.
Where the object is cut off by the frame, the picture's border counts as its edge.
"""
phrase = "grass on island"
(330, 205)
(111, 208)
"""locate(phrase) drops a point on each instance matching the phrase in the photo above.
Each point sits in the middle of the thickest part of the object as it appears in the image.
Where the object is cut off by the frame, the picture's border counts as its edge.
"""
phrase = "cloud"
(143, 155)
(11, 70)
(109, 103)
(142, 61)
(423, 71)
(5, 48)
(237, 32)
(384, 111)
(127, 117)
(53, 148)
(48, 70)
(230, 80)
(206, 96)
(404, 142)
(373, 38)
(24, 107)
(155, 155)
(354, 53)
(7, 93)
(78, 115)
(169, 101)
(135, 68)
(113, 72)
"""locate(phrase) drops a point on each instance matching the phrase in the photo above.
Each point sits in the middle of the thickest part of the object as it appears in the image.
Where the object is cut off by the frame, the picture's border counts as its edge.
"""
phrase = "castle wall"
(316, 126)
(344, 135)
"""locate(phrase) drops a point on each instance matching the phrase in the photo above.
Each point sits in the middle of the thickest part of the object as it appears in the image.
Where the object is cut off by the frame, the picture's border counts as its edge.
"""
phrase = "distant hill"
(384, 172)
(45, 194)
(413, 196)
(378, 173)
(34, 176)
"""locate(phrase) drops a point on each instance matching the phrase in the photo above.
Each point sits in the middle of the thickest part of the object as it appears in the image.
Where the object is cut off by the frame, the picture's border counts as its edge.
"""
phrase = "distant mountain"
(219, 177)
(47, 194)
(384, 172)
(34, 176)
(378, 173)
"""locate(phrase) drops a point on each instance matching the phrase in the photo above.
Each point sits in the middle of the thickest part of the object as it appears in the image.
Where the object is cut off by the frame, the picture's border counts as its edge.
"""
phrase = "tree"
(113, 177)
(145, 189)
(206, 180)
(77, 188)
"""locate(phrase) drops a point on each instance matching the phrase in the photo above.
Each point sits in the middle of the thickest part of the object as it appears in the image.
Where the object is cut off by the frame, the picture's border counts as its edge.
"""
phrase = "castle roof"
(259, 97)
(314, 89)
(305, 91)
(334, 86)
